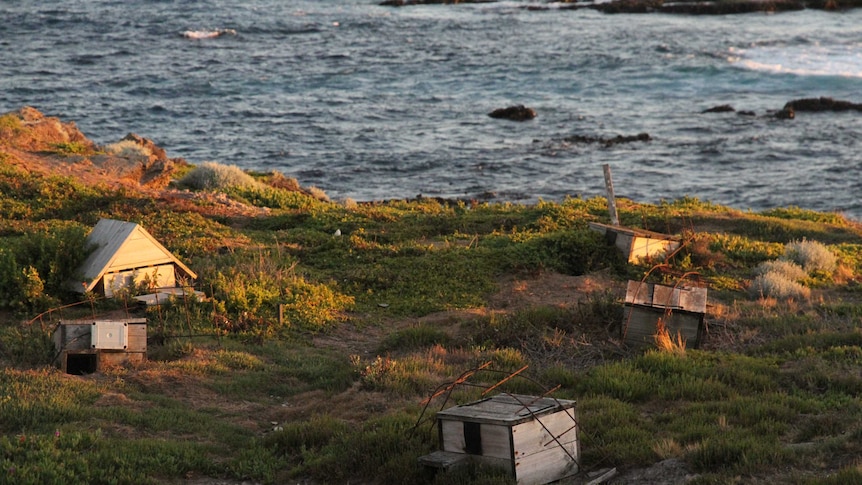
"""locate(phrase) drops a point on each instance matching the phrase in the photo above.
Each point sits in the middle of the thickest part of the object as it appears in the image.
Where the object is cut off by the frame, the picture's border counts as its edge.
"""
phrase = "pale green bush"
(777, 285)
(811, 255)
(215, 176)
(788, 269)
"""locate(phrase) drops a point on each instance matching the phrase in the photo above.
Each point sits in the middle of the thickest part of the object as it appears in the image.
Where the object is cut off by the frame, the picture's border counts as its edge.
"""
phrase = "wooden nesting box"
(637, 244)
(681, 309)
(534, 438)
(87, 346)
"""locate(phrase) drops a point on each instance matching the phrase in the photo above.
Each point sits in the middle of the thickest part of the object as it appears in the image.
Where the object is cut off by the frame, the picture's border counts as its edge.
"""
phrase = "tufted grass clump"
(128, 149)
(811, 255)
(777, 285)
(788, 269)
(216, 176)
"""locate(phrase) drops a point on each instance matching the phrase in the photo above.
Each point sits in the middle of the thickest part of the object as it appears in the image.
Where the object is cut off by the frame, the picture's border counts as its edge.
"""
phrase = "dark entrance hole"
(80, 364)
(473, 438)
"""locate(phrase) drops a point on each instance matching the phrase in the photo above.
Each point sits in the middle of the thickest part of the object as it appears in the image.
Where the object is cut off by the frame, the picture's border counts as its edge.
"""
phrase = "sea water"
(370, 102)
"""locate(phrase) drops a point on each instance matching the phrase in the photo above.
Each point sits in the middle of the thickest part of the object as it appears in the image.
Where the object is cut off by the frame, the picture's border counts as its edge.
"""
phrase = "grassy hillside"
(382, 303)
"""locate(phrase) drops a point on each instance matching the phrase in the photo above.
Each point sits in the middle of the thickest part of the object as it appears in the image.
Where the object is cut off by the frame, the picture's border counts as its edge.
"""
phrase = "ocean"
(369, 102)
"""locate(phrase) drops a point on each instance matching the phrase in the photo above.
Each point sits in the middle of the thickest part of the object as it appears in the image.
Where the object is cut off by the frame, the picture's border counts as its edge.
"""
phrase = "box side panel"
(539, 435)
(75, 337)
(137, 341)
(547, 466)
(452, 434)
(646, 247)
(495, 442)
(494, 439)
(641, 326)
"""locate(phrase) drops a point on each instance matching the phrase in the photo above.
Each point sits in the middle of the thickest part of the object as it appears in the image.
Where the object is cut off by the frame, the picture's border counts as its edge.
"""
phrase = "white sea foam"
(207, 34)
(803, 60)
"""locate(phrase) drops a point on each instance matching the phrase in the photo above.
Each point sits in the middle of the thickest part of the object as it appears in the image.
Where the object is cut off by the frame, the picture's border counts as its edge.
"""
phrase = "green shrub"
(36, 269)
(26, 345)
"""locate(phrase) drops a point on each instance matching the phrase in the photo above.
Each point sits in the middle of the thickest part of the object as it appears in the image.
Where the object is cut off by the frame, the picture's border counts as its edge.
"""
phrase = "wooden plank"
(138, 251)
(452, 436)
(444, 460)
(644, 247)
(547, 466)
(639, 293)
(665, 297)
(504, 409)
(137, 341)
(535, 436)
(495, 441)
(612, 202)
(495, 438)
(693, 299)
(76, 337)
(688, 298)
(602, 476)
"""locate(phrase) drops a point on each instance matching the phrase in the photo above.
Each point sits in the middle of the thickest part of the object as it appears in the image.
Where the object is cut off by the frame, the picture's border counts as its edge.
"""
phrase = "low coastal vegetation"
(327, 323)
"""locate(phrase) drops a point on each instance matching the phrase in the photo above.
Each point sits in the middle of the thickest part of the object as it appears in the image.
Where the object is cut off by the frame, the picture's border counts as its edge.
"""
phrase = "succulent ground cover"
(327, 323)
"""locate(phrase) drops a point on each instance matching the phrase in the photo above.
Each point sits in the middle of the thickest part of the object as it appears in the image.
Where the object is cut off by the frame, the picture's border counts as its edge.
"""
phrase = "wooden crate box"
(87, 346)
(637, 244)
(681, 309)
(535, 439)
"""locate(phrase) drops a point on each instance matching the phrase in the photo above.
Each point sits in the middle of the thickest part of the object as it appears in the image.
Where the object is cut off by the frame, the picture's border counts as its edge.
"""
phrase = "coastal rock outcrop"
(29, 129)
(45, 144)
(822, 104)
(514, 113)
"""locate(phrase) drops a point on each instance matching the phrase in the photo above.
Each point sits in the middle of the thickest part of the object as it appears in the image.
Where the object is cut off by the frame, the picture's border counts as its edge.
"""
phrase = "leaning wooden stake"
(612, 204)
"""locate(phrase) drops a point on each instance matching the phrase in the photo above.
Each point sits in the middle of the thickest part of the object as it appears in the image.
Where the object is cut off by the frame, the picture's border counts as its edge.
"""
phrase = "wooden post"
(612, 203)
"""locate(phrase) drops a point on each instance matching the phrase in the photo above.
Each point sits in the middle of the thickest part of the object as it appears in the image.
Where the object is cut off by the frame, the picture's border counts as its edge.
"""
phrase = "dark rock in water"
(608, 141)
(746, 113)
(404, 3)
(724, 108)
(628, 6)
(822, 104)
(699, 7)
(514, 113)
(686, 7)
(724, 8)
(786, 114)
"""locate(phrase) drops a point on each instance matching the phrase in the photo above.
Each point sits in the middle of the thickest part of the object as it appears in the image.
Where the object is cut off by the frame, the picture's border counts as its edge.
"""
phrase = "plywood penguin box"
(637, 244)
(681, 309)
(534, 438)
(87, 346)
(125, 255)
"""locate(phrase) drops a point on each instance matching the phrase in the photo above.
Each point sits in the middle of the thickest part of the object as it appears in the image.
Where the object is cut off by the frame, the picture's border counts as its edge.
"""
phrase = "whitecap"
(802, 60)
(207, 34)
